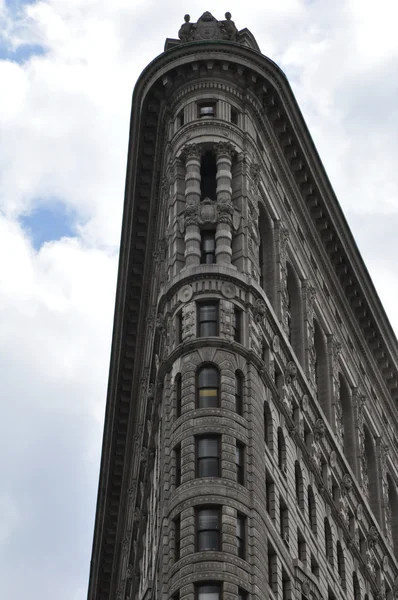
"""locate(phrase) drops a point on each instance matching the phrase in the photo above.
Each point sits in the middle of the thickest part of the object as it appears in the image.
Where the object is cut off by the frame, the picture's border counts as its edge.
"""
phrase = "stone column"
(359, 400)
(281, 239)
(334, 351)
(309, 331)
(225, 210)
(192, 203)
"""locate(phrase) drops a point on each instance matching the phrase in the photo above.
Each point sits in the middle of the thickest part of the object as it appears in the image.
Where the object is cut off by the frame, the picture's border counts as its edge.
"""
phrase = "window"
(272, 569)
(281, 451)
(267, 425)
(240, 535)
(234, 116)
(341, 564)
(177, 456)
(208, 456)
(302, 547)
(240, 463)
(238, 392)
(237, 325)
(299, 485)
(175, 596)
(208, 248)
(207, 109)
(180, 118)
(208, 591)
(328, 542)
(208, 319)
(178, 394)
(207, 529)
(270, 495)
(284, 521)
(311, 510)
(208, 177)
(208, 379)
(179, 327)
(242, 594)
(177, 538)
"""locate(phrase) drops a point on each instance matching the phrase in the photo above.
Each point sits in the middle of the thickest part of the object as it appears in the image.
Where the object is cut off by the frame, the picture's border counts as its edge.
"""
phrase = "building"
(250, 446)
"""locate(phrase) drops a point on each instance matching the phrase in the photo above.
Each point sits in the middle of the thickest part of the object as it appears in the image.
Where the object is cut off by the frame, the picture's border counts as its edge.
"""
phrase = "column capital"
(224, 150)
(191, 151)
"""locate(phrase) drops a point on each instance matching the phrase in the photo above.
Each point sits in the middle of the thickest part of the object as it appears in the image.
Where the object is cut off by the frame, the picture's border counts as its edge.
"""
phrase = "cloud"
(69, 69)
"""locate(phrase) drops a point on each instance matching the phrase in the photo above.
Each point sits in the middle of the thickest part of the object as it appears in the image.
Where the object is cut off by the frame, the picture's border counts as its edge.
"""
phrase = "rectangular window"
(242, 594)
(238, 393)
(208, 384)
(208, 456)
(206, 109)
(208, 319)
(180, 118)
(207, 529)
(179, 327)
(240, 463)
(237, 325)
(208, 591)
(241, 535)
(177, 455)
(234, 116)
(177, 538)
(178, 384)
(208, 248)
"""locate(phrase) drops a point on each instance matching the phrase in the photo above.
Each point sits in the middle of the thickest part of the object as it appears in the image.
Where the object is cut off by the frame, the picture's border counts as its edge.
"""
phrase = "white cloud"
(64, 131)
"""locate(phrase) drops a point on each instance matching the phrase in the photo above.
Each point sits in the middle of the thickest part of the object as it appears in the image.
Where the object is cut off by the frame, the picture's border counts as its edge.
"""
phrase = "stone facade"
(250, 444)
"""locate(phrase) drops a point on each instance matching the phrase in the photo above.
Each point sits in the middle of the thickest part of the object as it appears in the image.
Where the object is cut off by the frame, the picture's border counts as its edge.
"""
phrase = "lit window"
(208, 529)
(208, 387)
(208, 319)
(208, 248)
(208, 456)
(207, 109)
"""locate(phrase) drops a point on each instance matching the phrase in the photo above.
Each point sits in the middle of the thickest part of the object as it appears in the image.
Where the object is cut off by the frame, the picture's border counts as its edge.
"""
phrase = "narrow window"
(356, 587)
(299, 485)
(311, 510)
(314, 566)
(240, 463)
(208, 248)
(240, 535)
(328, 542)
(270, 495)
(178, 394)
(208, 456)
(177, 456)
(272, 569)
(237, 325)
(180, 118)
(179, 327)
(242, 594)
(208, 177)
(302, 547)
(282, 451)
(267, 425)
(239, 393)
(208, 591)
(208, 529)
(341, 565)
(208, 319)
(177, 538)
(208, 383)
(284, 521)
(234, 116)
(175, 596)
(286, 586)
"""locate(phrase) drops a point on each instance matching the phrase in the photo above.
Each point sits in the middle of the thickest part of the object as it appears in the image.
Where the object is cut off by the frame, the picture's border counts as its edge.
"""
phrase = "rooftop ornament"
(208, 28)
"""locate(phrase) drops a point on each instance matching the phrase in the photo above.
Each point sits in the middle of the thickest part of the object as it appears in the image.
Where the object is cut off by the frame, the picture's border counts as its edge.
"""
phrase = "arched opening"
(370, 453)
(321, 369)
(268, 429)
(282, 451)
(208, 176)
(312, 510)
(393, 501)
(294, 312)
(266, 254)
(328, 541)
(208, 387)
(347, 422)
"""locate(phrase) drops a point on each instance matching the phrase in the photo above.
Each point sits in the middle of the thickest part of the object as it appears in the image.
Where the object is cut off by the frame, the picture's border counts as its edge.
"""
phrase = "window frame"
(207, 104)
(239, 379)
(198, 459)
(200, 321)
(215, 388)
(241, 539)
(177, 458)
(205, 235)
(240, 465)
(217, 510)
(215, 584)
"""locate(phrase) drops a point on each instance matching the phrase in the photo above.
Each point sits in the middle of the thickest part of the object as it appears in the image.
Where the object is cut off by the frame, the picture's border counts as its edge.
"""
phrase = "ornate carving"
(228, 290)
(319, 429)
(185, 29)
(336, 351)
(191, 151)
(372, 537)
(208, 28)
(305, 403)
(259, 310)
(230, 28)
(290, 372)
(276, 346)
(346, 484)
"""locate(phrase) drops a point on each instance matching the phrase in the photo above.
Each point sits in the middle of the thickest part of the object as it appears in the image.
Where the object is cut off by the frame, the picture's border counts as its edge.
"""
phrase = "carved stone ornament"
(372, 537)
(208, 28)
(333, 459)
(346, 484)
(228, 290)
(276, 345)
(290, 372)
(359, 512)
(319, 429)
(259, 310)
(305, 588)
(385, 564)
(185, 293)
(305, 403)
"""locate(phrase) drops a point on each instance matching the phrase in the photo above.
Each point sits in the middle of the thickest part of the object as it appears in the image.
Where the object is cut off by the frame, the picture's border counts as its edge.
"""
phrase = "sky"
(67, 71)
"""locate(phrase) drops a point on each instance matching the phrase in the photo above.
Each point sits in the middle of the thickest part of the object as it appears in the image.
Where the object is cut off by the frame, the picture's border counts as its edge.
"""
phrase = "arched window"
(282, 451)
(370, 453)
(321, 369)
(299, 485)
(356, 587)
(268, 429)
(347, 422)
(294, 313)
(239, 392)
(328, 541)
(266, 254)
(208, 387)
(341, 565)
(312, 510)
(178, 384)
(393, 502)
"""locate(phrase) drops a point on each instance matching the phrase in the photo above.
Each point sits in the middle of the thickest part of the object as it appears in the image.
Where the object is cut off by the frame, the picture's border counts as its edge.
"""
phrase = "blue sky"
(68, 69)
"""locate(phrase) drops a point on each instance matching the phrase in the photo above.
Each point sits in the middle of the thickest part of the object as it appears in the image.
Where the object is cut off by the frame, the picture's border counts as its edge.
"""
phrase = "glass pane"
(208, 377)
(208, 329)
(208, 241)
(207, 312)
(208, 592)
(208, 398)
(207, 110)
(208, 540)
(238, 455)
(208, 467)
(239, 528)
(207, 447)
(208, 518)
